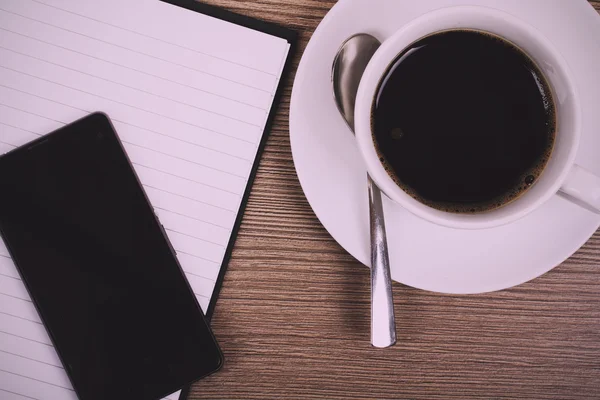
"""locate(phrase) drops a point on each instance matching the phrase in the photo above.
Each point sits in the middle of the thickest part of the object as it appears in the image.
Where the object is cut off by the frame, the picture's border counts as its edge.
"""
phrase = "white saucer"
(424, 255)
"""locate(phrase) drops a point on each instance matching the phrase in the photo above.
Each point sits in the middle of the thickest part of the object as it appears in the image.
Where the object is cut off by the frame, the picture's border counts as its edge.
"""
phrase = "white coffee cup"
(561, 173)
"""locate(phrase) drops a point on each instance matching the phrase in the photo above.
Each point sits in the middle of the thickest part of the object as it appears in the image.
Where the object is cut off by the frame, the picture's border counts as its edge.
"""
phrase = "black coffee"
(464, 121)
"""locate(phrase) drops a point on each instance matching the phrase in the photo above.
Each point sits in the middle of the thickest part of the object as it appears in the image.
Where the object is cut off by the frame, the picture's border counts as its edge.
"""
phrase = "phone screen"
(99, 268)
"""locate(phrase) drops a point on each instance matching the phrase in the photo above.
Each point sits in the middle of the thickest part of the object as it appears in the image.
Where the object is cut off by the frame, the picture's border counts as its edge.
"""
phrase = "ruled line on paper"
(129, 105)
(200, 276)
(34, 389)
(189, 198)
(134, 161)
(138, 52)
(184, 159)
(115, 120)
(77, 46)
(31, 359)
(34, 369)
(196, 256)
(229, 45)
(130, 87)
(14, 297)
(190, 180)
(7, 268)
(195, 237)
(10, 277)
(29, 349)
(33, 379)
(19, 307)
(13, 288)
(135, 70)
(225, 141)
(78, 100)
(20, 396)
(16, 316)
(26, 338)
(16, 127)
(184, 141)
(160, 40)
(191, 217)
(8, 144)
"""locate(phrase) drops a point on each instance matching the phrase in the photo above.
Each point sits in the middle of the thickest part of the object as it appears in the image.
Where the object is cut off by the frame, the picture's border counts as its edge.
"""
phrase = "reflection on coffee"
(464, 121)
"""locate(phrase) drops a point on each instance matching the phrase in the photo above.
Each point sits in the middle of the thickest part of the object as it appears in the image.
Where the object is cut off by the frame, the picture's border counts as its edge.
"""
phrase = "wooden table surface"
(293, 315)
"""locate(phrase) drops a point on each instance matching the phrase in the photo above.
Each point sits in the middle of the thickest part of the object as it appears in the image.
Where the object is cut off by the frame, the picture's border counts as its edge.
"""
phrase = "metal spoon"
(348, 67)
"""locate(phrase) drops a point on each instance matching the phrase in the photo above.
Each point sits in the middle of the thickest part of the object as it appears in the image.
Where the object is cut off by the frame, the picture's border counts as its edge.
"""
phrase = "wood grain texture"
(293, 315)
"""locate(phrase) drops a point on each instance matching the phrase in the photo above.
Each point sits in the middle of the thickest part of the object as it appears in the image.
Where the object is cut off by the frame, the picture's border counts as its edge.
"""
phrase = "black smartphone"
(99, 267)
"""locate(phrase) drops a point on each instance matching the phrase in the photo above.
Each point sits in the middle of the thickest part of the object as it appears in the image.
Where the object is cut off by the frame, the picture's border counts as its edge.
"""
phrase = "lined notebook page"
(189, 96)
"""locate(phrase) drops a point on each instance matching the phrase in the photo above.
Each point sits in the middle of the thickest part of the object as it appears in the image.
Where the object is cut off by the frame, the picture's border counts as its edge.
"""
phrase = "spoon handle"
(383, 323)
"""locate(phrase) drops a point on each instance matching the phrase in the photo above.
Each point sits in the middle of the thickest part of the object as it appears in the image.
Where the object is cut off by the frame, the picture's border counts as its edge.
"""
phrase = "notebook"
(191, 95)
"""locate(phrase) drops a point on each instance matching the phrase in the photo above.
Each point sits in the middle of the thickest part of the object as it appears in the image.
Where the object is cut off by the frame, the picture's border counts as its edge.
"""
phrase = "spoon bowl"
(348, 66)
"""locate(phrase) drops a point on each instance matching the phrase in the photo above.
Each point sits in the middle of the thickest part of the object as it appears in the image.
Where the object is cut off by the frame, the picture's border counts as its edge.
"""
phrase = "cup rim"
(370, 81)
